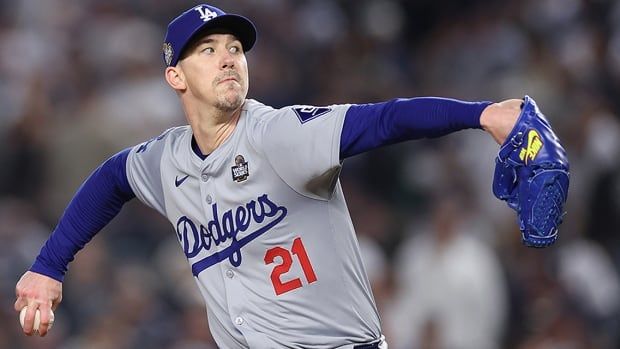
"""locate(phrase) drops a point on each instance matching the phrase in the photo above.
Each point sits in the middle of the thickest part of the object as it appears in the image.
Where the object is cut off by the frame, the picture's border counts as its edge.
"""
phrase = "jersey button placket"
(206, 188)
(235, 296)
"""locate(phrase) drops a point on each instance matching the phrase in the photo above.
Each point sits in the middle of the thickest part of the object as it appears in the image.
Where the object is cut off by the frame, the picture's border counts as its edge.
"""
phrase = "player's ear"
(175, 78)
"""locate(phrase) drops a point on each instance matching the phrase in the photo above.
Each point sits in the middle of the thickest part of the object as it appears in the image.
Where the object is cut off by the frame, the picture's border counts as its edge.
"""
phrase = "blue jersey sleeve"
(369, 126)
(96, 202)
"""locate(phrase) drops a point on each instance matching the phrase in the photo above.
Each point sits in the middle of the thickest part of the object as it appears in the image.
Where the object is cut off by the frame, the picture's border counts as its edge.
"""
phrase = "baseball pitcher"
(254, 198)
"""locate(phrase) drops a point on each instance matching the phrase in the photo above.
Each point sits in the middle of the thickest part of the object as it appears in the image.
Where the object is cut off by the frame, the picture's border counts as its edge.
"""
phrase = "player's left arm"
(532, 169)
(369, 126)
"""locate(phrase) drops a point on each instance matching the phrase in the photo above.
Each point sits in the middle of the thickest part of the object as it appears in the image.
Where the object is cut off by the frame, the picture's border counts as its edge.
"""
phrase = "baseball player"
(253, 195)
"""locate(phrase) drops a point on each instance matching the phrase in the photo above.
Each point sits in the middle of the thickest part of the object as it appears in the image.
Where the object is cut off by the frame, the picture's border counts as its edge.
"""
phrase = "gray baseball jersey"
(265, 227)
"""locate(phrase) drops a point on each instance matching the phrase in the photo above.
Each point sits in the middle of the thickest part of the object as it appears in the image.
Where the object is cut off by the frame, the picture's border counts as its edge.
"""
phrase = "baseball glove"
(532, 175)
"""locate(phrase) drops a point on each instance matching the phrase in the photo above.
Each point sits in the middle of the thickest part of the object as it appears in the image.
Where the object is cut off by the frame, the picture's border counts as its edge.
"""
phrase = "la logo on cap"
(205, 13)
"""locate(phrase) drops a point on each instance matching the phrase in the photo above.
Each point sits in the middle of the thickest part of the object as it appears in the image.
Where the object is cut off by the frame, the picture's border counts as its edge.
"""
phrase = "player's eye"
(207, 49)
(234, 49)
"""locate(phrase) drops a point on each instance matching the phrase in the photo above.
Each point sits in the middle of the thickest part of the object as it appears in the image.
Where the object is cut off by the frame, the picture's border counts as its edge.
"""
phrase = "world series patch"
(240, 172)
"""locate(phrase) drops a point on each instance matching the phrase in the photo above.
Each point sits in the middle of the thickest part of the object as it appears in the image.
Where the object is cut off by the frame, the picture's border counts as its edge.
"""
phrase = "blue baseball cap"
(183, 28)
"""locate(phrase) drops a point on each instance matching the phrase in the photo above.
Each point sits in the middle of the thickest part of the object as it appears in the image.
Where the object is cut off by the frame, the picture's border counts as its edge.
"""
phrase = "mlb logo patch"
(307, 113)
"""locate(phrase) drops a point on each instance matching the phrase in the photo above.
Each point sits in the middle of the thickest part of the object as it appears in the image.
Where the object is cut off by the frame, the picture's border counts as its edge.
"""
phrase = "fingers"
(46, 320)
(28, 326)
(24, 301)
(20, 293)
(20, 303)
(36, 318)
(37, 292)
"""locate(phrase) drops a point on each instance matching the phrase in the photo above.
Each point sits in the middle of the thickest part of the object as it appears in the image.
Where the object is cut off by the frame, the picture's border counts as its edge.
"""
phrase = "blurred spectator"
(592, 285)
(452, 291)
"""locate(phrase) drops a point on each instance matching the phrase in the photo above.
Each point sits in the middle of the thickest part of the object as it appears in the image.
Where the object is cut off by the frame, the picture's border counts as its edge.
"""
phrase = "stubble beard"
(230, 99)
(229, 102)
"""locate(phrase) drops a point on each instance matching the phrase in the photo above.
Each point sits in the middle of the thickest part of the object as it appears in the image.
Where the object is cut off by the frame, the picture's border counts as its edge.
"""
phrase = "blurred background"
(81, 80)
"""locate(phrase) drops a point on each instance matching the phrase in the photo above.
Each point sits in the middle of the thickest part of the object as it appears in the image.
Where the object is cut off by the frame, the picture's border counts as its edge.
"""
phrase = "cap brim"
(237, 25)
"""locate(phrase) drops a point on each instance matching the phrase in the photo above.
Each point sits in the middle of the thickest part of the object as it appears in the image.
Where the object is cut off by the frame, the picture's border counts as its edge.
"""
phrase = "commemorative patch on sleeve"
(306, 113)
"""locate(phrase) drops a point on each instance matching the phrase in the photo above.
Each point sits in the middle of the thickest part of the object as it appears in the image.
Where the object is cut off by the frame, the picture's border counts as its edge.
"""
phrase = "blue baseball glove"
(532, 175)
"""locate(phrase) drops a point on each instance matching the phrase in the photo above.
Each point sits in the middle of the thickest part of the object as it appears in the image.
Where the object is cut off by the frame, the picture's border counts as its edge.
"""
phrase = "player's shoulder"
(262, 113)
(179, 132)
(175, 134)
(170, 138)
(258, 112)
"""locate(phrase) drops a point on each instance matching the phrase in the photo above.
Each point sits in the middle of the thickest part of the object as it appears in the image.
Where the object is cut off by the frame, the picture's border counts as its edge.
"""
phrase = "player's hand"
(498, 119)
(41, 292)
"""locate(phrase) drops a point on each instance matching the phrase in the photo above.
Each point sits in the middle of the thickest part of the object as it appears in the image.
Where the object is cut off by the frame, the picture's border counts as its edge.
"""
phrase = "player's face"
(216, 71)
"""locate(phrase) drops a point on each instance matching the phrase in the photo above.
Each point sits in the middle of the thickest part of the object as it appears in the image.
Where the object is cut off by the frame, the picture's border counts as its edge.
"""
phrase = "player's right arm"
(133, 172)
(97, 201)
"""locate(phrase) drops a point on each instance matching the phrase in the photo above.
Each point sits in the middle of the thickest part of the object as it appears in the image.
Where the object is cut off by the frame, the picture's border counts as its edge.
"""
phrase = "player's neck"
(212, 128)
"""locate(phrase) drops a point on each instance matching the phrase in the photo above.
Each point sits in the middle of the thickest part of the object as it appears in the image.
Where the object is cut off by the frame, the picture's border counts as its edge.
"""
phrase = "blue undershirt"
(369, 126)
(366, 127)
(97, 201)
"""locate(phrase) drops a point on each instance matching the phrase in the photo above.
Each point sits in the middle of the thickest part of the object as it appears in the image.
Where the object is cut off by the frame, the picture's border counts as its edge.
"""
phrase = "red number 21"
(283, 267)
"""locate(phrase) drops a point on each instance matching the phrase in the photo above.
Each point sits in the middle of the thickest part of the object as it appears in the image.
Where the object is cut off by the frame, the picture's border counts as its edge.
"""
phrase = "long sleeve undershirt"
(97, 201)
